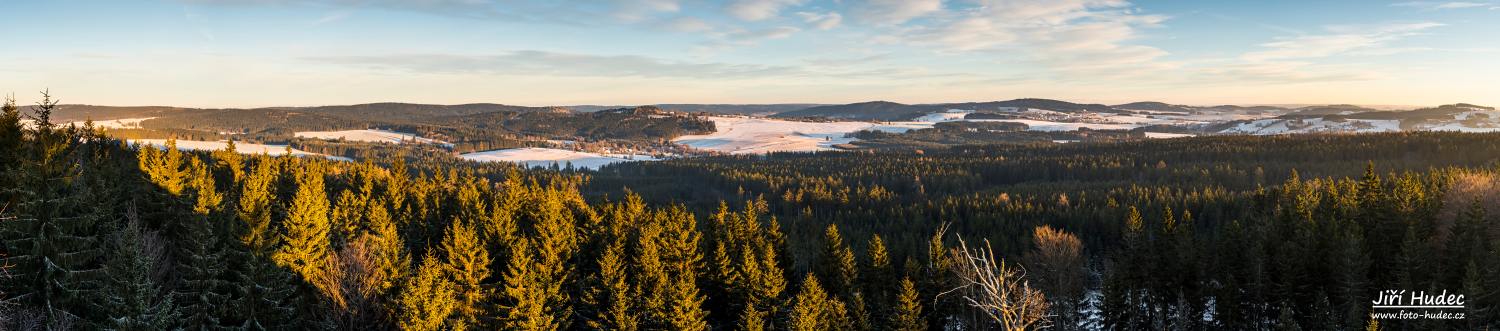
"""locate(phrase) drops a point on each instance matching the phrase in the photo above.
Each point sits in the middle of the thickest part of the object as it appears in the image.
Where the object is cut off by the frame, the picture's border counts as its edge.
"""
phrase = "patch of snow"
(547, 157)
(1050, 126)
(240, 147)
(377, 136)
(1313, 125)
(1460, 127)
(746, 135)
(1164, 135)
(948, 116)
(123, 123)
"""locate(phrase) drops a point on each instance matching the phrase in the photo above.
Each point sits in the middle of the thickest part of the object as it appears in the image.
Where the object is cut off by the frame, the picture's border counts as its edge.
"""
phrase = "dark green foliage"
(131, 299)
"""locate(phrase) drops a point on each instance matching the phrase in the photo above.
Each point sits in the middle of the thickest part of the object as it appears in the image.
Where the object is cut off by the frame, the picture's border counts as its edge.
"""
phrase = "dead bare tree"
(999, 291)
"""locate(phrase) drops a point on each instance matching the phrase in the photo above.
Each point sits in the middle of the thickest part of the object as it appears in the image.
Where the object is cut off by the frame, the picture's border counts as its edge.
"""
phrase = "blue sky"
(240, 53)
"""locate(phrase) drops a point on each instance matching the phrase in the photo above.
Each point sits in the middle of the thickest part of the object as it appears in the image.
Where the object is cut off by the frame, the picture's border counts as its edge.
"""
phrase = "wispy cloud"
(1437, 5)
(893, 12)
(822, 21)
(333, 17)
(530, 63)
(1339, 40)
(756, 10)
(1091, 36)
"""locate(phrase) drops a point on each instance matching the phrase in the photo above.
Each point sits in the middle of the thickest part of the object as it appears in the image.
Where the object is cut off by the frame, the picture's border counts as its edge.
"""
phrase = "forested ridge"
(1288, 232)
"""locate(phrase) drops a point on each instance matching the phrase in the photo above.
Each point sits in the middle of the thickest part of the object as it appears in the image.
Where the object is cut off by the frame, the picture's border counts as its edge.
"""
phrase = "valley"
(592, 136)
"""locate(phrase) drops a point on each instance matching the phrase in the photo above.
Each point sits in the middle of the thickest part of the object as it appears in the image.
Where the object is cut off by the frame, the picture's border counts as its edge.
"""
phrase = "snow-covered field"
(241, 147)
(948, 116)
(122, 123)
(1040, 125)
(546, 157)
(742, 135)
(1164, 135)
(377, 136)
(1313, 125)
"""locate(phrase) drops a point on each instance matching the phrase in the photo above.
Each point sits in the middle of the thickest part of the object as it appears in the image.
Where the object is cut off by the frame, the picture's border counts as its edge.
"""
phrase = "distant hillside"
(362, 112)
(722, 109)
(1048, 104)
(409, 111)
(1249, 108)
(1155, 106)
(874, 110)
(891, 111)
(78, 113)
(1331, 110)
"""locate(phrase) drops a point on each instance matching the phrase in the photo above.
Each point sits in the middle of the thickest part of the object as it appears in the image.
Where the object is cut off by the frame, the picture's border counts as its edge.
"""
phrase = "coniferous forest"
(1295, 232)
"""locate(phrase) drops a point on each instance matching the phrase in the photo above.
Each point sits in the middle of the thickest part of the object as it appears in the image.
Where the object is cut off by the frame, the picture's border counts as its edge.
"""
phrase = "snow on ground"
(1311, 125)
(1167, 135)
(1039, 125)
(742, 135)
(123, 123)
(378, 136)
(1460, 127)
(546, 157)
(949, 116)
(241, 147)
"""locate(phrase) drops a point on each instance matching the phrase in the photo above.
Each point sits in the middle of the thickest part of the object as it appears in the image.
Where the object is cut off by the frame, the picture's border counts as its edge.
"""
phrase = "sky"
(255, 53)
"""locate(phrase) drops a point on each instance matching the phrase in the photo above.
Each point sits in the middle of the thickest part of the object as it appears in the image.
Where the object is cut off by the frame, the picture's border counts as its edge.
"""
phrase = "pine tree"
(907, 315)
(255, 206)
(230, 160)
(202, 294)
(429, 299)
(164, 167)
(524, 298)
(751, 319)
(813, 309)
(679, 244)
(264, 295)
(836, 264)
(468, 265)
(10, 143)
(392, 262)
(206, 196)
(305, 248)
(878, 278)
(610, 292)
(51, 244)
(131, 299)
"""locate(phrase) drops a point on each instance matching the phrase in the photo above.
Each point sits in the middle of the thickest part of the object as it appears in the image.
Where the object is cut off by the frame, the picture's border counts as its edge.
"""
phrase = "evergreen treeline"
(1209, 233)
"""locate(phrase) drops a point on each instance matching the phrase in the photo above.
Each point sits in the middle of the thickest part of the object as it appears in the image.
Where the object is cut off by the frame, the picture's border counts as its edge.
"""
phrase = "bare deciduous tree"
(999, 291)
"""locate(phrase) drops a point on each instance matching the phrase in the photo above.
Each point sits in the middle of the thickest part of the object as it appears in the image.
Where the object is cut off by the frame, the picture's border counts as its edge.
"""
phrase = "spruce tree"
(10, 144)
(429, 299)
(304, 241)
(202, 294)
(467, 263)
(907, 312)
(265, 297)
(679, 244)
(813, 309)
(836, 265)
(524, 298)
(131, 299)
(751, 319)
(392, 262)
(610, 293)
(51, 244)
(256, 200)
